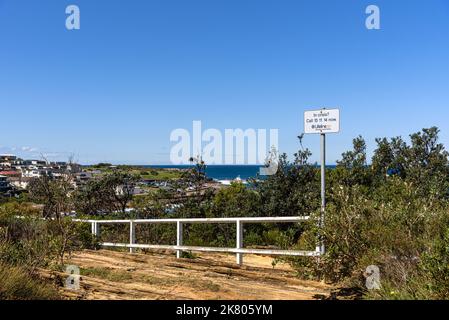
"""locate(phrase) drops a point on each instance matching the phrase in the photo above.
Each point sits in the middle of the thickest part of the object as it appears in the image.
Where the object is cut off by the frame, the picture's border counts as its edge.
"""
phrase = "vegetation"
(144, 173)
(391, 211)
(16, 284)
(106, 273)
(53, 194)
(393, 214)
(29, 243)
(110, 193)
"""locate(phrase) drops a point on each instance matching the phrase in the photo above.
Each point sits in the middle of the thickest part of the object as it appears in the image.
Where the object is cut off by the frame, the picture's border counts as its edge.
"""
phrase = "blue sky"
(136, 70)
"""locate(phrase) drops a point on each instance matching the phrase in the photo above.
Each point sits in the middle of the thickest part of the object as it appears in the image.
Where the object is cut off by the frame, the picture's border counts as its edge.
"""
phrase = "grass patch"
(188, 255)
(208, 285)
(107, 274)
(17, 284)
(159, 174)
(143, 172)
(194, 283)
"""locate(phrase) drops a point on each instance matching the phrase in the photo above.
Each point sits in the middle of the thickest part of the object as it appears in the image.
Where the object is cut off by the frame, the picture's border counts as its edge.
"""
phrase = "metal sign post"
(323, 189)
(322, 122)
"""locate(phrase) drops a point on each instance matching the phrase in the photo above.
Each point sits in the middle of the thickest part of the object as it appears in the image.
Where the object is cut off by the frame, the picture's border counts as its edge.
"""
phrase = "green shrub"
(16, 283)
(395, 230)
(435, 266)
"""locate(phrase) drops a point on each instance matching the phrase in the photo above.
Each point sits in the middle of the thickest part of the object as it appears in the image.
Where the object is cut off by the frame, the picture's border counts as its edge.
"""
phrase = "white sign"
(322, 121)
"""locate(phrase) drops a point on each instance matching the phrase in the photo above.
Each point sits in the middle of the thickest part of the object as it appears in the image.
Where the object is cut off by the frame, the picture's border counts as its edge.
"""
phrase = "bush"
(435, 266)
(17, 284)
(393, 229)
(27, 243)
(33, 242)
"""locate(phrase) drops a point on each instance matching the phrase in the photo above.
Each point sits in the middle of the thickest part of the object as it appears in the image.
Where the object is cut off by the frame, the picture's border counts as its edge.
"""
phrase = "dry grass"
(17, 284)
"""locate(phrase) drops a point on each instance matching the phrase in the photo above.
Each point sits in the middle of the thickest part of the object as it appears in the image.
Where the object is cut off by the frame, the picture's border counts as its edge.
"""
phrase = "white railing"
(179, 247)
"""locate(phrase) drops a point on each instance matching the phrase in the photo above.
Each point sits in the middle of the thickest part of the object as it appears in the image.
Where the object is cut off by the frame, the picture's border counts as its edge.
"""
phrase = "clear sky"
(115, 89)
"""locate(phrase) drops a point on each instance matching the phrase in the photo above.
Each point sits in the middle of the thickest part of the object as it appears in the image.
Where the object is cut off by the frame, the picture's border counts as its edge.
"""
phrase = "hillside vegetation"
(390, 211)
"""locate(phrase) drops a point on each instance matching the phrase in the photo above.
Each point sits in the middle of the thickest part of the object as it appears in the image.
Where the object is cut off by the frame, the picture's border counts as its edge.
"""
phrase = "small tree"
(424, 163)
(294, 188)
(53, 194)
(109, 193)
(119, 186)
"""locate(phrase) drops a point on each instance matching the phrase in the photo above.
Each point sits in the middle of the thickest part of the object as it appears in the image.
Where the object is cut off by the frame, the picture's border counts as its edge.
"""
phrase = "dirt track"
(117, 275)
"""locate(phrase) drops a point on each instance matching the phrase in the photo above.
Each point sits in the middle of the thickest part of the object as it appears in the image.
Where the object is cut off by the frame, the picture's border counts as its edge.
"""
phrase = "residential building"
(4, 185)
(6, 161)
(20, 183)
(81, 178)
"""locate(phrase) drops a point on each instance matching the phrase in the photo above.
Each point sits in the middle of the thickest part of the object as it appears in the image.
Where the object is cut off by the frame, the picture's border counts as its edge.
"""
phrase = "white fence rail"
(239, 250)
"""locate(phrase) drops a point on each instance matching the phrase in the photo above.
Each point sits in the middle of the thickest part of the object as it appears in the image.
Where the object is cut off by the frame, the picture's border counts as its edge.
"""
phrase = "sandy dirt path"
(109, 274)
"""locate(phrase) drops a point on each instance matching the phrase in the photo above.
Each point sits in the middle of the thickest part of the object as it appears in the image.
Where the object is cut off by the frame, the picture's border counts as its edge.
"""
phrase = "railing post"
(178, 238)
(132, 235)
(95, 229)
(239, 242)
